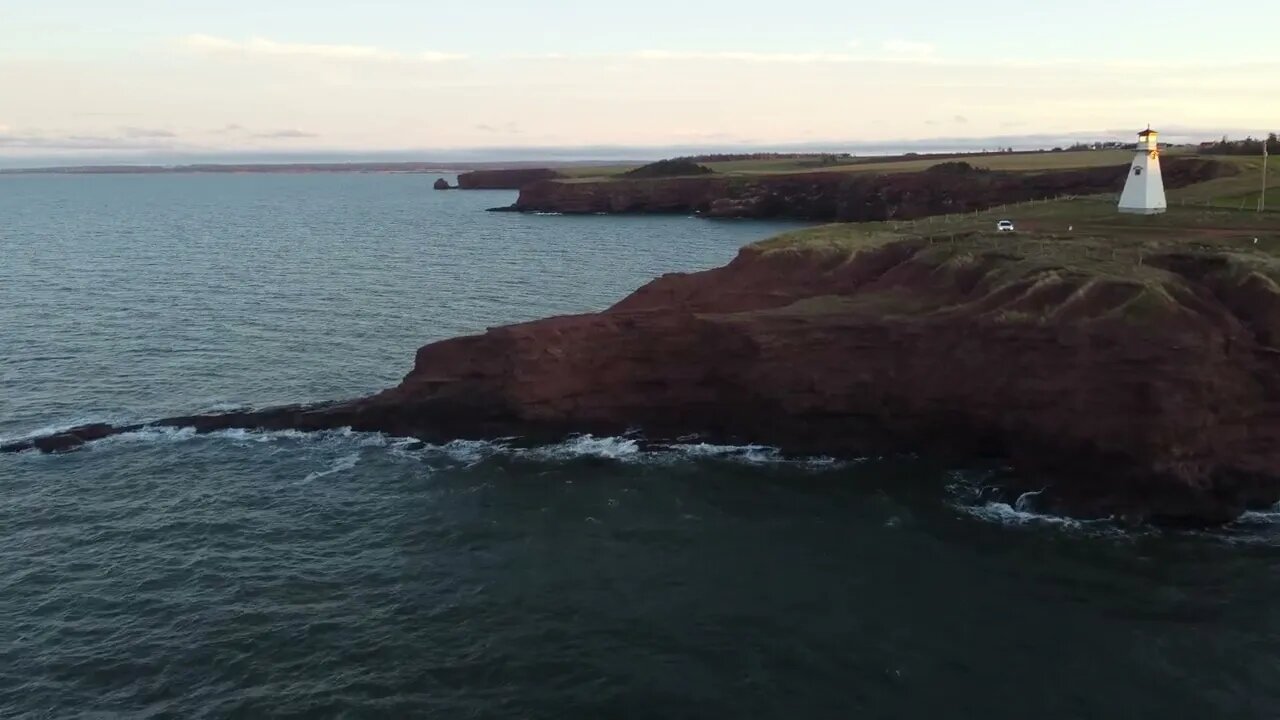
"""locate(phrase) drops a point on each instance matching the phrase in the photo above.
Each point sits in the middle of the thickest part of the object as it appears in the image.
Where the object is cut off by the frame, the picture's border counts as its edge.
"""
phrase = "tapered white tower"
(1144, 190)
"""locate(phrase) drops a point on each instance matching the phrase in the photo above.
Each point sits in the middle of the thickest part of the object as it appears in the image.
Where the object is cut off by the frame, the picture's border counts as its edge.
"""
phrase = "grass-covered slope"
(1072, 259)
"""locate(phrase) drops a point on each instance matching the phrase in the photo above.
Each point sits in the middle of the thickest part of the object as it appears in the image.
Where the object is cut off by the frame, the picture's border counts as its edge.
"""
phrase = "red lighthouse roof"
(1147, 132)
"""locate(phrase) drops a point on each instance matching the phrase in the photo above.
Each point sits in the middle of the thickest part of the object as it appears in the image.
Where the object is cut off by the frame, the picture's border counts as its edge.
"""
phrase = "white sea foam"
(750, 454)
(586, 446)
(149, 434)
(342, 464)
(1260, 517)
(240, 435)
(1025, 501)
(971, 496)
(1006, 514)
(467, 453)
(631, 450)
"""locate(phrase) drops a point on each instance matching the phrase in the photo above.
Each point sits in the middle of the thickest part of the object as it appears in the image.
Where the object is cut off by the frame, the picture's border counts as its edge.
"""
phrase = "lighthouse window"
(1137, 171)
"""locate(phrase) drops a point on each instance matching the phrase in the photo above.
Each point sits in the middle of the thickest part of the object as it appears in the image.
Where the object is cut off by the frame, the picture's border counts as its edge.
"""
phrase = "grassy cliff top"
(1018, 161)
(1235, 192)
(1079, 223)
(1082, 245)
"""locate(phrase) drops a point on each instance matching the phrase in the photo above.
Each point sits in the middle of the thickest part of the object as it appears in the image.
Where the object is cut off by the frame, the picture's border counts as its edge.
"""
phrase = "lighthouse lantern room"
(1144, 189)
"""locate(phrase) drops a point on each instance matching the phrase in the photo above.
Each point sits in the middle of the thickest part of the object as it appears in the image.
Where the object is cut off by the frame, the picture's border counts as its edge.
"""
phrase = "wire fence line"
(1248, 203)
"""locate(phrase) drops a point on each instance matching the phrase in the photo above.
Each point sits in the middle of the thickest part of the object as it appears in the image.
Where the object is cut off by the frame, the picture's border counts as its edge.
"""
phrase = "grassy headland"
(1070, 249)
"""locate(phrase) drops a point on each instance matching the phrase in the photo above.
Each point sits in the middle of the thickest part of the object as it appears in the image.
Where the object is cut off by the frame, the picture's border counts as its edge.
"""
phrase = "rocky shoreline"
(1155, 401)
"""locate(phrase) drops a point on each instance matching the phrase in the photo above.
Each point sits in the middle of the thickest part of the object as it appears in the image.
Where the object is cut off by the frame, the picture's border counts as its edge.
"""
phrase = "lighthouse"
(1144, 190)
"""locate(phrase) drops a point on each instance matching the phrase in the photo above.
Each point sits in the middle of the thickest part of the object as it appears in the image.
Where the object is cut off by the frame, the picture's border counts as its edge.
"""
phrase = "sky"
(138, 79)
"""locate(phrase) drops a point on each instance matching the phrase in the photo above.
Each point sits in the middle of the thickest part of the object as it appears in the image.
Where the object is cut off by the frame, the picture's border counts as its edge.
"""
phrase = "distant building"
(1144, 189)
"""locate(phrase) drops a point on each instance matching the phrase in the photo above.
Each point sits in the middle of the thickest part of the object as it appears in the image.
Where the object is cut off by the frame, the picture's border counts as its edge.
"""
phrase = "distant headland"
(295, 167)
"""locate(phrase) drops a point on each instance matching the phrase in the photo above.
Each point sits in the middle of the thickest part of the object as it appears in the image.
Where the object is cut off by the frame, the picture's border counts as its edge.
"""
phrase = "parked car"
(1004, 226)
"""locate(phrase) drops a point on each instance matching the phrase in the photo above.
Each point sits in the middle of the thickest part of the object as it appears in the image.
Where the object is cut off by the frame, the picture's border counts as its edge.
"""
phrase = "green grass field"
(1239, 192)
(596, 171)
(993, 161)
(1081, 245)
(1057, 220)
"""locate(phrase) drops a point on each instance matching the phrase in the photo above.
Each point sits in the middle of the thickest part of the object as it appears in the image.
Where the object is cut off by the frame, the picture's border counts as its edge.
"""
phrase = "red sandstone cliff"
(1143, 381)
(511, 179)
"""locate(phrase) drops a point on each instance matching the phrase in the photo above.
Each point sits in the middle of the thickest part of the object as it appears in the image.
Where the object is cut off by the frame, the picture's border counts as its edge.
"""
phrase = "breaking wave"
(971, 493)
(342, 464)
(620, 449)
(1006, 514)
(1260, 517)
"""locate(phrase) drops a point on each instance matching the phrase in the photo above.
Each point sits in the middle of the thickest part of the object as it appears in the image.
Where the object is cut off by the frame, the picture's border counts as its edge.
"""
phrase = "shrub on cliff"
(669, 168)
(1247, 146)
(955, 168)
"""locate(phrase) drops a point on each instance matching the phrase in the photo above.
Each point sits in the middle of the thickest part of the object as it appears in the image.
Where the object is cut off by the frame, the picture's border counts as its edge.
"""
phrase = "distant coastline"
(338, 167)
(580, 166)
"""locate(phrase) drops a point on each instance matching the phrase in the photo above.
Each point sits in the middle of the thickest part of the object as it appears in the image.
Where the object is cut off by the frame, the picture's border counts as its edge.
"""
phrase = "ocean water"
(240, 574)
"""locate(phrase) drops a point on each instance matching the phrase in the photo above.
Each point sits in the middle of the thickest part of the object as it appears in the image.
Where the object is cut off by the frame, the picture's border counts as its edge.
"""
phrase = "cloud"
(286, 134)
(40, 141)
(237, 130)
(262, 47)
(896, 51)
(751, 57)
(140, 132)
(96, 114)
(906, 47)
(960, 120)
(509, 128)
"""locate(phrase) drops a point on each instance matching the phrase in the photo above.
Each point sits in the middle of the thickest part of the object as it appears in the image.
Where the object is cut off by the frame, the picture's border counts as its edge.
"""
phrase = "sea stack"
(1144, 190)
(442, 184)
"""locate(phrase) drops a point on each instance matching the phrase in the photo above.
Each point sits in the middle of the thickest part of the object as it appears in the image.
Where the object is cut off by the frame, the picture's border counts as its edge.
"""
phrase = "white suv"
(1004, 226)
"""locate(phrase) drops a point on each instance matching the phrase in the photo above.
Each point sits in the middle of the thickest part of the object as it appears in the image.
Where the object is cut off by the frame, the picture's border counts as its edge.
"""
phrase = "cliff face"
(950, 188)
(1119, 377)
(504, 179)
(1171, 416)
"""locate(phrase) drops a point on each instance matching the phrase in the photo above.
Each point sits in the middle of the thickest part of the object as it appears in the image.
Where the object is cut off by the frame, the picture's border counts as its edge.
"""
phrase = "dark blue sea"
(162, 574)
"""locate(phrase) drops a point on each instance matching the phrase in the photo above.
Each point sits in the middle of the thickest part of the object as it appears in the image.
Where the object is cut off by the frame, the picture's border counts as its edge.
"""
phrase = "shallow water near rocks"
(167, 574)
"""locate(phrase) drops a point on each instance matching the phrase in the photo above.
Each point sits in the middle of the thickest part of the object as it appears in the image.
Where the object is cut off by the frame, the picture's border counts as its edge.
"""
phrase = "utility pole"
(1262, 199)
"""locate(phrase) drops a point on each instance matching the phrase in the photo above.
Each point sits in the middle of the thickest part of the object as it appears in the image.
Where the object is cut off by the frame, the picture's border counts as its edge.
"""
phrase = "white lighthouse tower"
(1144, 190)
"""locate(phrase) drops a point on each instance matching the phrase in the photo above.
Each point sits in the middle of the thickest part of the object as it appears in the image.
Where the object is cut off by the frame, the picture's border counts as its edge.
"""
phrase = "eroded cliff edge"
(1132, 374)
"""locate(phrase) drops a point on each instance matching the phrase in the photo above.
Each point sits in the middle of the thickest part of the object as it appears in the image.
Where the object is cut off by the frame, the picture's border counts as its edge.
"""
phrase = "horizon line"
(52, 158)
